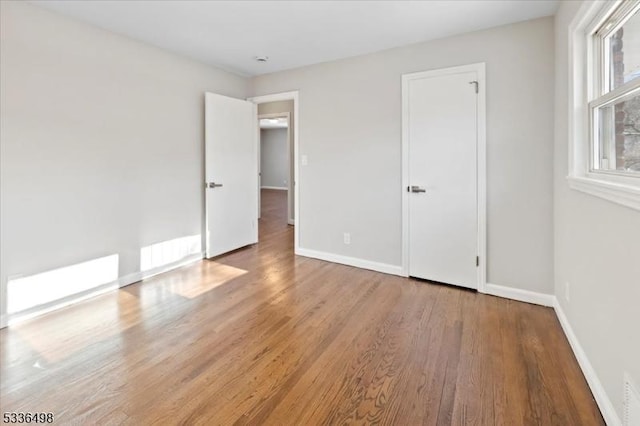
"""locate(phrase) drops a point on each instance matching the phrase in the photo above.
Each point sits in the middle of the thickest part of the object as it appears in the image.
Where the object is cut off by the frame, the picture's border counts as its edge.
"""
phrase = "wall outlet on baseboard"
(567, 291)
(347, 238)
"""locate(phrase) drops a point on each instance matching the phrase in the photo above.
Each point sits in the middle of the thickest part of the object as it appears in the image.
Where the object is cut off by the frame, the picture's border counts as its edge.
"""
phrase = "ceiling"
(230, 34)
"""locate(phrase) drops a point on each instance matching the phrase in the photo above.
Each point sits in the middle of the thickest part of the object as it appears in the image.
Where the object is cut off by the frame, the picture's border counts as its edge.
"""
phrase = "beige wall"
(350, 129)
(284, 107)
(274, 158)
(102, 142)
(597, 250)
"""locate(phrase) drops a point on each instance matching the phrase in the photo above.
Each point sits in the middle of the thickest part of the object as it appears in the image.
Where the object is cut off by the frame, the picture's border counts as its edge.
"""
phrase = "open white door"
(442, 129)
(231, 171)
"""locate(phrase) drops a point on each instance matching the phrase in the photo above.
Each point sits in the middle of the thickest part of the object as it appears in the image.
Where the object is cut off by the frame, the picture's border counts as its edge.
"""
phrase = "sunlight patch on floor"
(53, 340)
(217, 274)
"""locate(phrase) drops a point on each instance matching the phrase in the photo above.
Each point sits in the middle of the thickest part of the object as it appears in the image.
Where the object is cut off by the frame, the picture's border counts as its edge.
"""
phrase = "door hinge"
(476, 85)
(477, 260)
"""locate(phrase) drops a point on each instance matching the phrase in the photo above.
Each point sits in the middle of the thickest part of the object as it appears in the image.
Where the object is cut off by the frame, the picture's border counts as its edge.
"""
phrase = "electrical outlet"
(567, 291)
(347, 238)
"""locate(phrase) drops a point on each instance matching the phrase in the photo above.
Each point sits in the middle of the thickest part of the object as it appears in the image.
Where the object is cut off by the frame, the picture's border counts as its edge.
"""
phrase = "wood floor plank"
(274, 360)
(263, 337)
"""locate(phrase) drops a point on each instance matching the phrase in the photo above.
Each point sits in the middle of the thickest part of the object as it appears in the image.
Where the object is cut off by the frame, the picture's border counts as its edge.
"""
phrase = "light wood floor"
(262, 337)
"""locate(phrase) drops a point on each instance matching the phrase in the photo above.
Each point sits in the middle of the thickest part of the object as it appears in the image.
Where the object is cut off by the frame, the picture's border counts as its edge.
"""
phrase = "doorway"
(278, 189)
(275, 169)
(444, 229)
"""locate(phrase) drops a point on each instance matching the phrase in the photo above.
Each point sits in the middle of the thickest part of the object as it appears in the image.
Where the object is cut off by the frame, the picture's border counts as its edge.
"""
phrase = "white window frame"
(584, 80)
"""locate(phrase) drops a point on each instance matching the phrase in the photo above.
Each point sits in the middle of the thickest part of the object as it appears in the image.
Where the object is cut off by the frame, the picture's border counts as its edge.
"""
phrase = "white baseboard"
(123, 281)
(139, 276)
(601, 397)
(520, 295)
(351, 261)
(291, 221)
(279, 188)
(604, 403)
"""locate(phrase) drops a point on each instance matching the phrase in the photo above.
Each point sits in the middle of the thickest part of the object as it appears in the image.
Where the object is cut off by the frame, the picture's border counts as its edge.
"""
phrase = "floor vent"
(631, 403)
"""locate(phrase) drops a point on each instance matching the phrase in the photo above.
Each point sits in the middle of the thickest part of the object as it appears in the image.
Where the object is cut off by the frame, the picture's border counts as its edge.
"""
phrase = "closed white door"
(443, 198)
(231, 174)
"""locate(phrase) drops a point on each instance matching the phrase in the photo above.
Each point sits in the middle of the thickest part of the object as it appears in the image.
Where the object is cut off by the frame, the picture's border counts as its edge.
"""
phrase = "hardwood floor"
(262, 337)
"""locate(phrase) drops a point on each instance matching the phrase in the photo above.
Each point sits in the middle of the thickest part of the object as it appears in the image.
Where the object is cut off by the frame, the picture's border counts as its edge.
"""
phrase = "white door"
(442, 159)
(231, 170)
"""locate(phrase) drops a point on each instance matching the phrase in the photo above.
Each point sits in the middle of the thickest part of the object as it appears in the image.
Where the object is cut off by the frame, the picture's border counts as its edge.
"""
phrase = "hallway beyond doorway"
(273, 220)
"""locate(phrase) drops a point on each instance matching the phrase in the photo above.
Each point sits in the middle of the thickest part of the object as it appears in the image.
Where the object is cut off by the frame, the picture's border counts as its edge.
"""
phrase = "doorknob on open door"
(417, 189)
(213, 185)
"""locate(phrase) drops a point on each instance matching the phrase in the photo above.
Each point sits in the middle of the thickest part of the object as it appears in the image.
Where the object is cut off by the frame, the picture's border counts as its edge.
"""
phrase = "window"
(604, 101)
(615, 104)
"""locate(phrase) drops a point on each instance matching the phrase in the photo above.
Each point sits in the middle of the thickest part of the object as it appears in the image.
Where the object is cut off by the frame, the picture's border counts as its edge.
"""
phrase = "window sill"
(626, 195)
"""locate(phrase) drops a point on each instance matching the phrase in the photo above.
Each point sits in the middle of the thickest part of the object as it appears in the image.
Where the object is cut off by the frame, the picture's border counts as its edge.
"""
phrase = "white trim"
(405, 178)
(351, 261)
(286, 96)
(275, 115)
(138, 276)
(625, 195)
(579, 73)
(291, 222)
(480, 69)
(274, 97)
(123, 281)
(279, 188)
(258, 146)
(619, 94)
(604, 403)
(519, 294)
(482, 176)
(608, 185)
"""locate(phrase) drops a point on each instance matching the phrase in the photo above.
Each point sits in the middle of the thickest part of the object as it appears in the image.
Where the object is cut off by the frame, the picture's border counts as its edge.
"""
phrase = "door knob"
(415, 188)
(213, 185)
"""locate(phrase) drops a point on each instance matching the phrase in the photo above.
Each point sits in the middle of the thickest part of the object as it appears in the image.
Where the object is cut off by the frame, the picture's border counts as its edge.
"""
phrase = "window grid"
(607, 95)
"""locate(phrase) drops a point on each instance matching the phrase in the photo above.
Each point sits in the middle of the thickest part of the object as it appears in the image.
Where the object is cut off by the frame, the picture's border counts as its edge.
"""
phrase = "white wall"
(102, 142)
(597, 250)
(274, 158)
(353, 180)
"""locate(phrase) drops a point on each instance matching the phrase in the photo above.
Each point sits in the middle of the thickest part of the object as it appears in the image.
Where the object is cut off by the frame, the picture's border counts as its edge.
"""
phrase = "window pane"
(619, 136)
(624, 53)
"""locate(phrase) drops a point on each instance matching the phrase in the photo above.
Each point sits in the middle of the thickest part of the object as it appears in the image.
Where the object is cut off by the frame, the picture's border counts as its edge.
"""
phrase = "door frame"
(286, 115)
(481, 158)
(287, 96)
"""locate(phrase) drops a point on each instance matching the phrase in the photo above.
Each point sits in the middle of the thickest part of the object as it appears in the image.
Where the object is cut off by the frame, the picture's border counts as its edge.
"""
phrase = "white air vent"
(631, 403)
